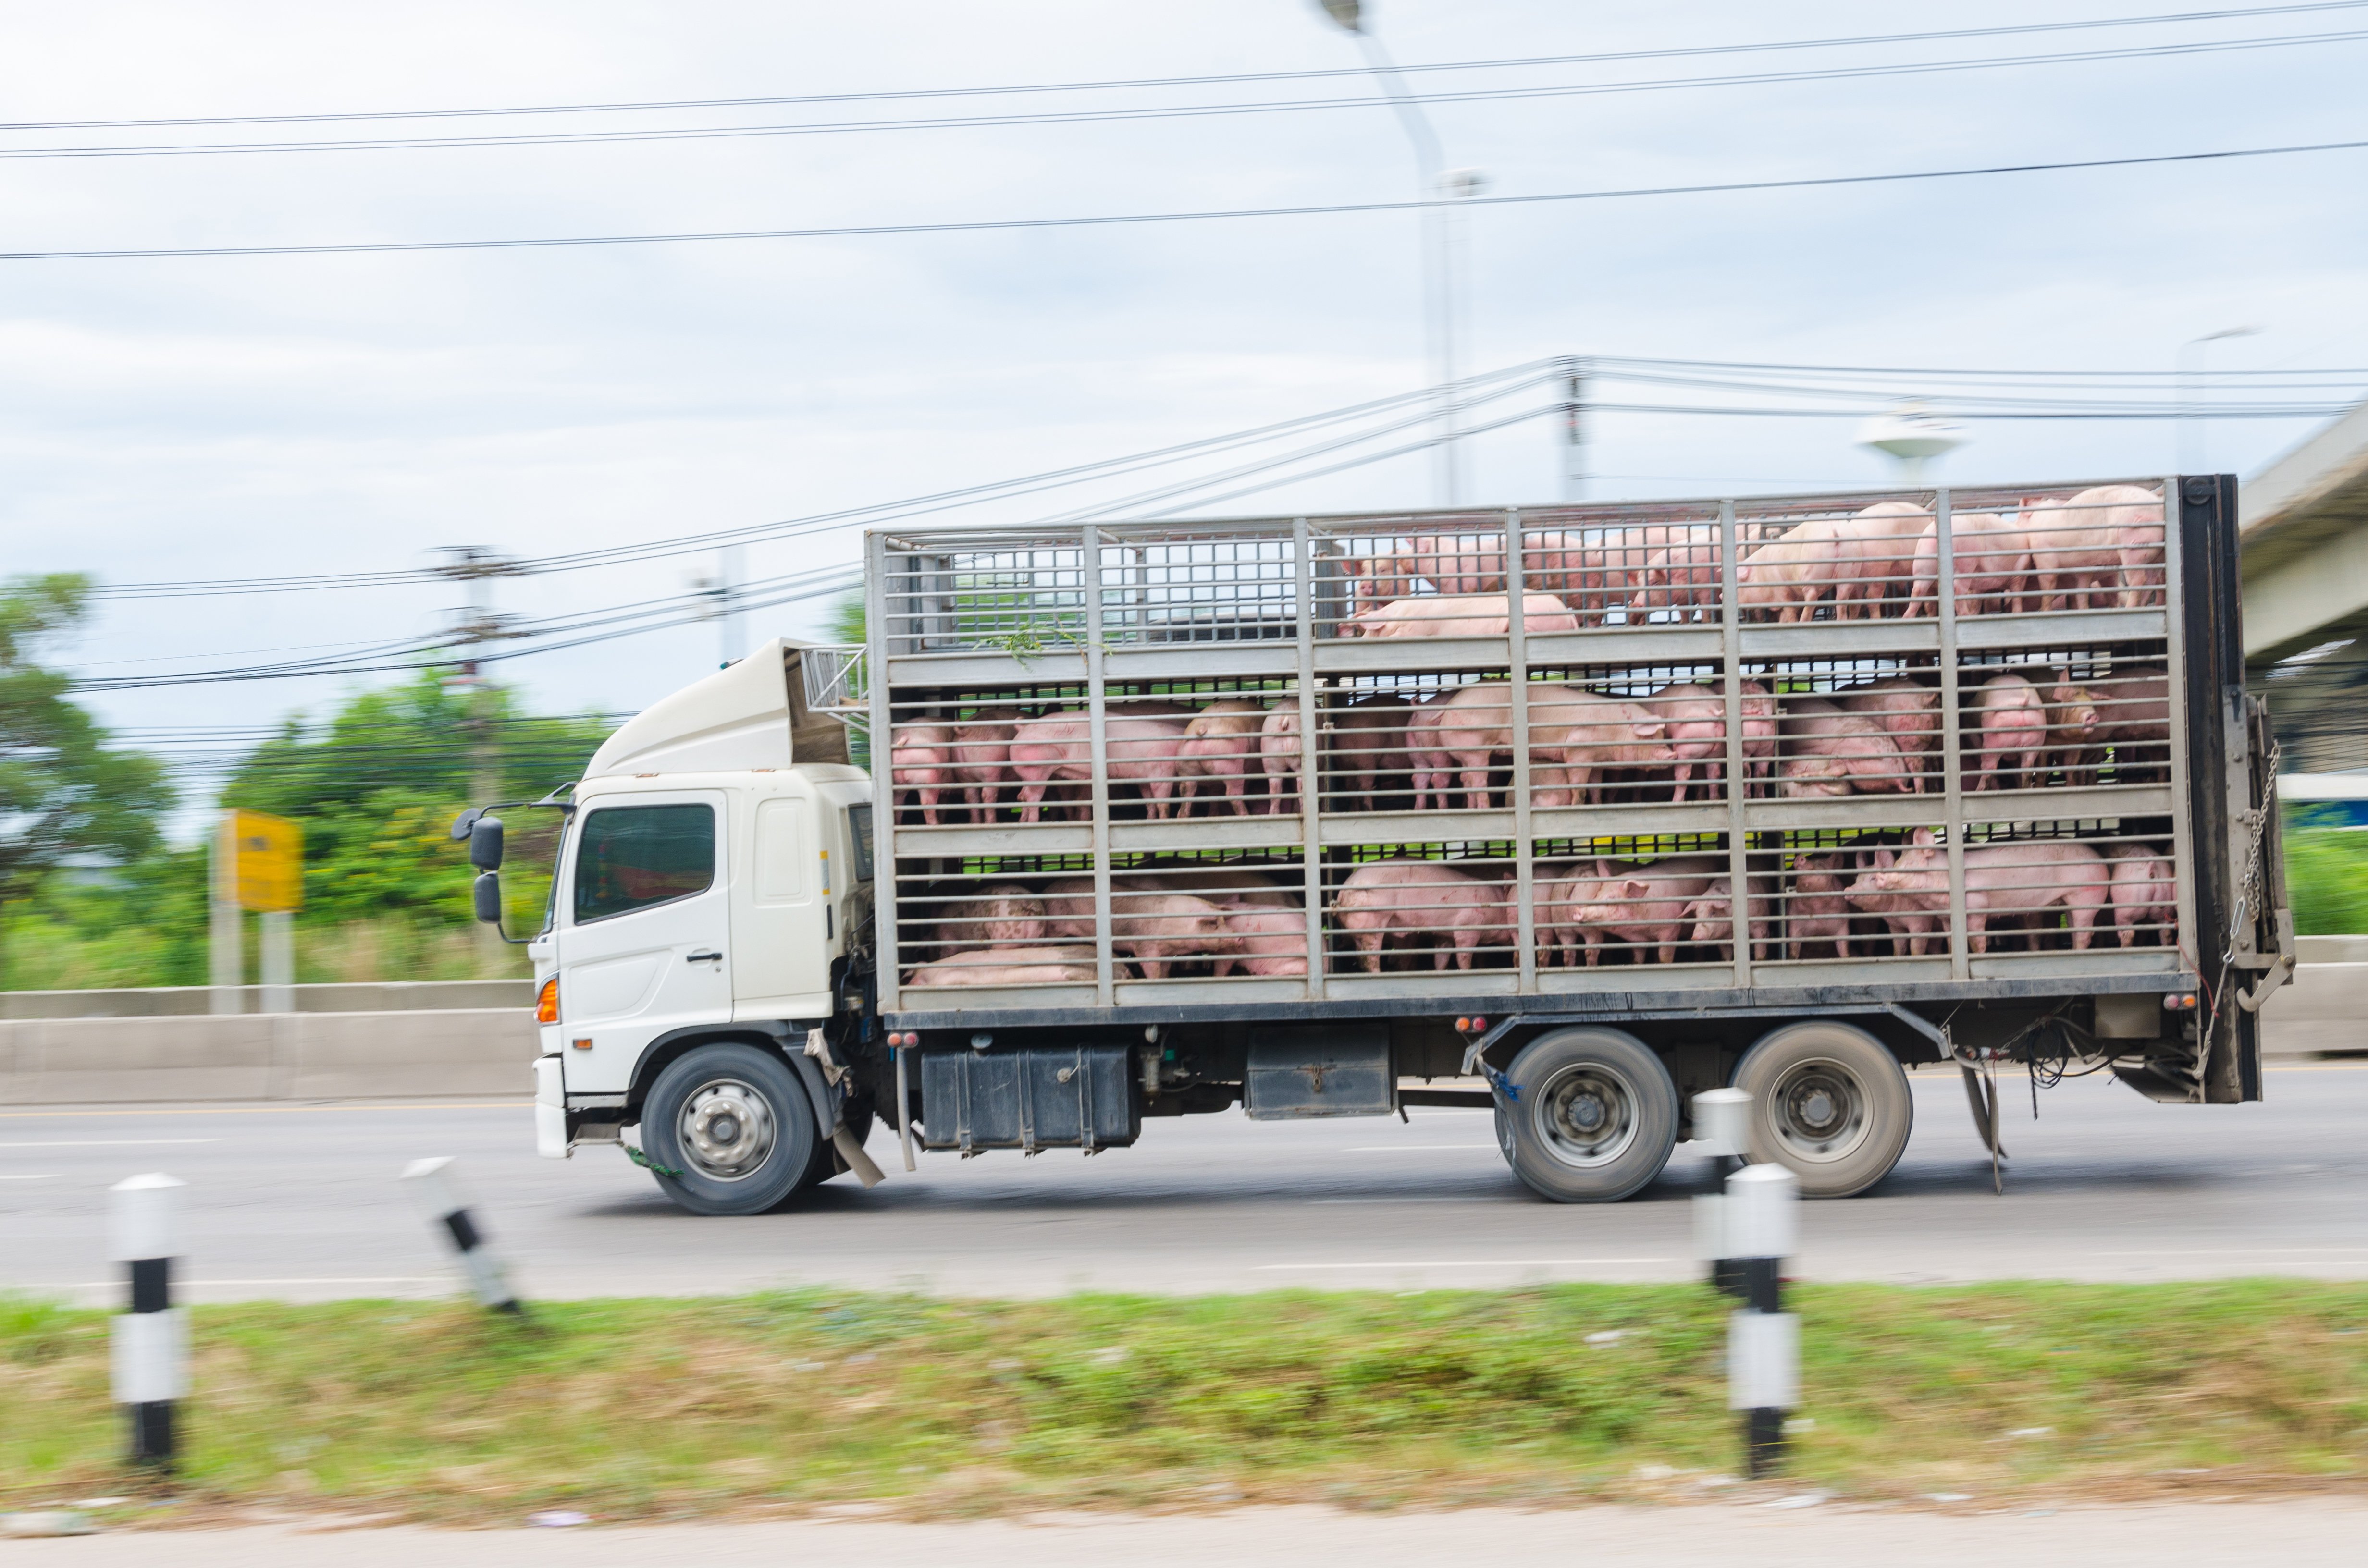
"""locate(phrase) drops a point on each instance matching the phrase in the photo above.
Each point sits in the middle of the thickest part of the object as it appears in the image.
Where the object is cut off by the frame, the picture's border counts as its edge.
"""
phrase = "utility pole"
(225, 959)
(723, 592)
(472, 628)
(1574, 430)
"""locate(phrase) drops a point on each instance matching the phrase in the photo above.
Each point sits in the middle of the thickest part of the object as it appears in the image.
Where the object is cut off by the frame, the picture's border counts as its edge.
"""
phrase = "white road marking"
(201, 1284)
(104, 1142)
(2233, 1252)
(1460, 1263)
(93, 1114)
(1402, 1148)
(1476, 1197)
(45, 1176)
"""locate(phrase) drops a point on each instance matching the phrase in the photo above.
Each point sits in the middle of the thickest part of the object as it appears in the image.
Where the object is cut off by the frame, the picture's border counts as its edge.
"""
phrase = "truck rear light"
(546, 1001)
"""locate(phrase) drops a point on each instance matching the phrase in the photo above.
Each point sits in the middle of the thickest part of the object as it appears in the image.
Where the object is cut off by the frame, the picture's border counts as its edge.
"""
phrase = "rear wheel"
(1593, 1118)
(735, 1126)
(1829, 1103)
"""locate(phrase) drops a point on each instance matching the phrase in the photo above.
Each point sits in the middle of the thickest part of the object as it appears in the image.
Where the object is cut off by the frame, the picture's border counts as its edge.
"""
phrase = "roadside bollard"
(149, 1348)
(438, 1195)
(1763, 1341)
(1721, 1121)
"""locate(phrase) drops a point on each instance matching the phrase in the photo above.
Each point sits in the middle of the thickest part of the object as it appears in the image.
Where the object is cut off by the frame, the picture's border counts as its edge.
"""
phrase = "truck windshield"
(634, 856)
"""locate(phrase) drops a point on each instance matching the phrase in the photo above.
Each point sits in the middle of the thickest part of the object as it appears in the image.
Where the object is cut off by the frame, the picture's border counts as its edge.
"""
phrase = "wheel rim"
(727, 1129)
(1819, 1111)
(1586, 1116)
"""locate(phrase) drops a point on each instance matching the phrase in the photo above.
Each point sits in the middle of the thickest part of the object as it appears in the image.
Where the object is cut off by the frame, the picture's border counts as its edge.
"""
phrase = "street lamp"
(1443, 190)
(2192, 455)
(1913, 434)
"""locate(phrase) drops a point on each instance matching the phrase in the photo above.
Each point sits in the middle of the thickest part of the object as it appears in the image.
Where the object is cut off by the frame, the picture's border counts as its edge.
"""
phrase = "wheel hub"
(1821, 1110)
(727, 1129)
(1587, 1115)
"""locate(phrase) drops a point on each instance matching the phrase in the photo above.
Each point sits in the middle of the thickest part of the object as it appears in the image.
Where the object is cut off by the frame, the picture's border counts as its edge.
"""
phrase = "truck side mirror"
(485, 845)
(486, 891)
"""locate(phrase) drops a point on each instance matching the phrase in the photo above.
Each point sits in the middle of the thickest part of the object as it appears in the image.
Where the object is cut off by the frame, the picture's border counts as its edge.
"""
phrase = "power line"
(377, 247)
(1174, 111)
(773, 101)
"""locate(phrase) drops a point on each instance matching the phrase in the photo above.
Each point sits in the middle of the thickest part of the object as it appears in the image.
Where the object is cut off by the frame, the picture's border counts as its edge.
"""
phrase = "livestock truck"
(1335, 815)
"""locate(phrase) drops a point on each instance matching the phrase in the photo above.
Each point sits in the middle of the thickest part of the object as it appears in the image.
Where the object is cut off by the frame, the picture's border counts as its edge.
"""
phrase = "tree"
(844, 623)
(64, 797)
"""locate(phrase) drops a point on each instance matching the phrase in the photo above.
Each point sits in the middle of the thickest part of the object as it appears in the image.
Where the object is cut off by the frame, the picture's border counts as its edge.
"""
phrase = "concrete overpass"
(2304, 521)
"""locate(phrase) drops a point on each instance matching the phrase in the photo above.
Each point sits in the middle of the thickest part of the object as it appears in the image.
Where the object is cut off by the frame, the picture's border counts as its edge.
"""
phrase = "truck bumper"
(549, 1109)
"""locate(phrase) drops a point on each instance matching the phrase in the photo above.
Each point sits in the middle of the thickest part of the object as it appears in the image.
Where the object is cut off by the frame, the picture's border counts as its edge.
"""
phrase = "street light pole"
(1443, 192)
(2193, 456)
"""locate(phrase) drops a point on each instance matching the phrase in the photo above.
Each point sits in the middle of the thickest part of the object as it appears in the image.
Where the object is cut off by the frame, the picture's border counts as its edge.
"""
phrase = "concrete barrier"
(183, 1000)
(277, 1056)
(475, 1038)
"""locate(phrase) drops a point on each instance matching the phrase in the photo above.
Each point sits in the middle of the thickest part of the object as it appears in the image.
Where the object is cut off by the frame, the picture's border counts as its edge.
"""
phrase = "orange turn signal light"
(546, 1001)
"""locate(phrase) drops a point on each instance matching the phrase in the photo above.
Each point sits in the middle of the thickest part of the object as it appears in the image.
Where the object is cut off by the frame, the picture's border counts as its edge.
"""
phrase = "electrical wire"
(1176, 111)
(1126, 84)
(1114, 220)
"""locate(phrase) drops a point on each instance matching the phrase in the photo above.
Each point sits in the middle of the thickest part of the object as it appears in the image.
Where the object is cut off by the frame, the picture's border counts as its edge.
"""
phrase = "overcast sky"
(204, 417)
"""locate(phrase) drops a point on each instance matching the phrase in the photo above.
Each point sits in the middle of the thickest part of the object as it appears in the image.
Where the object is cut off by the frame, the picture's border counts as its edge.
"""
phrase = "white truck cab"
(711, 886)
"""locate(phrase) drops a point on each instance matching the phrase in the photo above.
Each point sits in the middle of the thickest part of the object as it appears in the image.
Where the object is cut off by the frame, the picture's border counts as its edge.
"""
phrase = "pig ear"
(1921, 838)
(1882, 859)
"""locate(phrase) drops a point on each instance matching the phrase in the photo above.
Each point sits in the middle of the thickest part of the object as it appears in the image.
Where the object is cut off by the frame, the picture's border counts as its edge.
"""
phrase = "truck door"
(644, 931)
(778, 924)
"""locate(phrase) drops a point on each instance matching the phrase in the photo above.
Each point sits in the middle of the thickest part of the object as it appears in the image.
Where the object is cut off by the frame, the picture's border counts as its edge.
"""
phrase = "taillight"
(546, 1001)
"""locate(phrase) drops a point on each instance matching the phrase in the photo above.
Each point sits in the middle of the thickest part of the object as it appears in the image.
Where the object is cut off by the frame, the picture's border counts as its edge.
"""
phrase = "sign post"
(258, 864)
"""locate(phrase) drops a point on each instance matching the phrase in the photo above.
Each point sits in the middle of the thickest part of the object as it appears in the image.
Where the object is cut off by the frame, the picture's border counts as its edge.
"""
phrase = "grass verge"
(650, 1408)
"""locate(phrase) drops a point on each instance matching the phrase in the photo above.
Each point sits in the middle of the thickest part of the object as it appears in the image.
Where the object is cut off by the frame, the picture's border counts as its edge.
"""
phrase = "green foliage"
(1560, 1393)
(844, 623)
(2327, 876)
(63, 796)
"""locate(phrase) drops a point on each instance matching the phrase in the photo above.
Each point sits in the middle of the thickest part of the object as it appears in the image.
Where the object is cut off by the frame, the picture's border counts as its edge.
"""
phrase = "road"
(2300, 1532)
(300, 1202)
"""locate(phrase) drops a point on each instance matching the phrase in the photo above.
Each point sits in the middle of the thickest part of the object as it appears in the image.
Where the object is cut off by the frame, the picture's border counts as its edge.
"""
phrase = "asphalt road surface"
(300, 1202)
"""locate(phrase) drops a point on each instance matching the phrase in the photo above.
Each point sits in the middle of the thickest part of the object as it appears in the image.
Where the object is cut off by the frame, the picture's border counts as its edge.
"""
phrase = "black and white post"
(1763, 1341)
(1722, 1119)
(151, 1344)
(433, 1189)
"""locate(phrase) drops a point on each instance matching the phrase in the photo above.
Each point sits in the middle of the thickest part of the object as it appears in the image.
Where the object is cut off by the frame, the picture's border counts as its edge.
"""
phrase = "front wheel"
(1593, 1116)
(733, 1125)
(1829, 1103)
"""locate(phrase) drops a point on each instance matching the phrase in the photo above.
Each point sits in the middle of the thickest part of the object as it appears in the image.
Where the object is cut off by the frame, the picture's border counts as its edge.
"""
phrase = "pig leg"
(1684, 771)
(2083, 904)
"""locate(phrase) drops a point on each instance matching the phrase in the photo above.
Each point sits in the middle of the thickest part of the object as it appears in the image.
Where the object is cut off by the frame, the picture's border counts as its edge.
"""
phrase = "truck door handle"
(704, 958)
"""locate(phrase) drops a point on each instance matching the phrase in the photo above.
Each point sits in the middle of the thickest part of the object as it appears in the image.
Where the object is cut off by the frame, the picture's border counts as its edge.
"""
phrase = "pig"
(2010, 721)
(1460, 615)
(1222, 742)
(2134, 719)
(1279, 755)
(1712, 914)
(1759, 734)
(921, 758)
(1820, 733)
(1574, 733)
(1910, 712)
(1786, 577)
(1819, 911)
(1874, 559)
(2143, 892)
(2100, 549)
(2073, 714)
(1236, 889)
(1144, 752)
(1366, 751)
(1569, 568)
(1461, 564)
(1682, 577)
(1158, 929)
(1377, 580)
(1011, 966)
(1421, 899)
(1695, 721)
(1001, 914)
(1268, 941)
(1069, 903)
(1430, 765)
(1646, 905)
(982, 759)
(1563, 888)
(1993, 560)
(2013, 881)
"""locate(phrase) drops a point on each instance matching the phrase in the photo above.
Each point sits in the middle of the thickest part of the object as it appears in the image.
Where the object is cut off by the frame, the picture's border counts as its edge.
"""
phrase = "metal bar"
(1738, 837)
(2182, 815)
(883, 786)
(1303, 558)
(904, 1108)
(1096, 728)
(1953, 750)
(1516, 672)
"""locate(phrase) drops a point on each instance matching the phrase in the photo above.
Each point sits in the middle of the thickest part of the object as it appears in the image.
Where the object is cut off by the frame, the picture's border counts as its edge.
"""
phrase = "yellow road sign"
(268, 860)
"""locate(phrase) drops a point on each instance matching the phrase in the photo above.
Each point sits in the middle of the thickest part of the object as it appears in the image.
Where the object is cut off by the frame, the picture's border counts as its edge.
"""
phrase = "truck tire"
(1829, 1103)
(1593, 1118)
(736, 1123)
